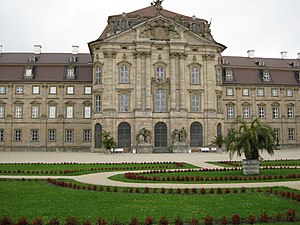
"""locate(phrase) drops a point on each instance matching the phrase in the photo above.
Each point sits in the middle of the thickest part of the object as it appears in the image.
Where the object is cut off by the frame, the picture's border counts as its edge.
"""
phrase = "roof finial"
(157, 4)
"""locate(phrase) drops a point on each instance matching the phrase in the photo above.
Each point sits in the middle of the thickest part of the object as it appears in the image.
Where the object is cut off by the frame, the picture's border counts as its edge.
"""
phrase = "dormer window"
(229, 75)
(225, 61)
(28, 72)
(70, 72)
(266, 76)
(260, 63)
(32, 59)
(123, 24)
(73, 59)
(195, 27)
(295, 64)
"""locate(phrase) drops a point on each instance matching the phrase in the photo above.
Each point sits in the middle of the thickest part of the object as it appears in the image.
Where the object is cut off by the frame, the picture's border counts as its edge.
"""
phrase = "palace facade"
(153, 69)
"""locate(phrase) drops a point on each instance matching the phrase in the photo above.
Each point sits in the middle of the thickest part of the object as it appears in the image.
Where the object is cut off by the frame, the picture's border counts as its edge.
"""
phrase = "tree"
(250, 139)
(218, 141)
(108, 141)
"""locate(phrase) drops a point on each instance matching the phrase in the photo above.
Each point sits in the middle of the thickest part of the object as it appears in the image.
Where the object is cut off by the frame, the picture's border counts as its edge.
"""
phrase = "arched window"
(123, 24)
(160, 74)
(160, 135)
(219, 129)
(124, 74)
(196, 135)
(124, 135)
(98, 138)
(195, 27)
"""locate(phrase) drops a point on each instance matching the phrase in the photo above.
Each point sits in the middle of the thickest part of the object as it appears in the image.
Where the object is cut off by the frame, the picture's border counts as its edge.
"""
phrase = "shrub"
(163, 221)
(252, 219)
(194, 222)
(53, 221)
(203, 191)
(186, 190)
(116, 222)
(208, 220)
(219, 190)
(6, 221)
(87, 222)
(264, 217)
(71, 221)
(178, 221)
(291, 215)
(236, 219)
(22, 221)
(279, 217)
(149, 220)
(211, 191)
(134, 221)
(37, 221)
(101, 221)
(162, 190)
(224, 221)
(178, 190)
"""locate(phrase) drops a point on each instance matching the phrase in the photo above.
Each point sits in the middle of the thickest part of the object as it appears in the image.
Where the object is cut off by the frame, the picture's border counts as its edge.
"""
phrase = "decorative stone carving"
(179, 136)
(160, 29)
(144, 136)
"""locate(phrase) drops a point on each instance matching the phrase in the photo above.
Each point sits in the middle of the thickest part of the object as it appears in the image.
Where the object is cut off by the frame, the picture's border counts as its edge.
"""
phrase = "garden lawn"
(38, 199)
(212, 174)
(81, 168)
(282, 162)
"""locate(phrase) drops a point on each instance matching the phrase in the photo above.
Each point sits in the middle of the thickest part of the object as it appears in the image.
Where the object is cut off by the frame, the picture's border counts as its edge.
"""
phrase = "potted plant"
(250, 139)
(108, 141)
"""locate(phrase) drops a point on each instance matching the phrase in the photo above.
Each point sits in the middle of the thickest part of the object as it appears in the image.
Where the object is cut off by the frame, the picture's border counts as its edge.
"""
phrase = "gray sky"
(266, 26)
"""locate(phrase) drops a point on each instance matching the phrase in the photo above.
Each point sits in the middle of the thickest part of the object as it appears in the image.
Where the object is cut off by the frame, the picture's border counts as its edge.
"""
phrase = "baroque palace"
(150, 70)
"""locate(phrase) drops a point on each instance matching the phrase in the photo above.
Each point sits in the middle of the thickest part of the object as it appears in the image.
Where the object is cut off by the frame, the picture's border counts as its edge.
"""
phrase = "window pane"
(69, 112)
(98, 75)
(35, 112)
(195, 75)
(52, 112)
(98, 103)
(2, 111)
(87, 112)
(160, 74)
(160, 101)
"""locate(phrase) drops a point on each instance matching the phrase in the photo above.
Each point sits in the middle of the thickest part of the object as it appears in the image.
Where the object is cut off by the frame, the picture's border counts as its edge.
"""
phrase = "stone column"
(148, 81)
(173, 81)
(182, 81)
(138, 82)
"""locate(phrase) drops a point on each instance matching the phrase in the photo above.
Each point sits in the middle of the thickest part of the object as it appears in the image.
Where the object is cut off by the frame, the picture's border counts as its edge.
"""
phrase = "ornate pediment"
(159, 29)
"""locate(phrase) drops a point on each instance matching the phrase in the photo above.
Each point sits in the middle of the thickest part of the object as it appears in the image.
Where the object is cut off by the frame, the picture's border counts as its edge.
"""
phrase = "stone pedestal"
(180, 147)
(144, 149)
(250, 167)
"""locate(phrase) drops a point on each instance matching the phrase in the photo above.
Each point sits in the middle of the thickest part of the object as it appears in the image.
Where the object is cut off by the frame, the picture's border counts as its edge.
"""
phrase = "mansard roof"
(48, 67)
(248, 70)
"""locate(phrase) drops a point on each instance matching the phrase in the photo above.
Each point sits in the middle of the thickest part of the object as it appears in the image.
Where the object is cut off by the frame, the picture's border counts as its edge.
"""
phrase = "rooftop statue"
(157, 3)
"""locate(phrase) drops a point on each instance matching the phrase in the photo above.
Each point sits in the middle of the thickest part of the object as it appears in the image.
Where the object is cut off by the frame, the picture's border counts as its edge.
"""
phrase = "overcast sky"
(266, 26)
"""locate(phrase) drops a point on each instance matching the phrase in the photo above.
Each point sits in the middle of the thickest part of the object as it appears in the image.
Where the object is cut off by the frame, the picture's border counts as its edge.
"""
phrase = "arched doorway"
(196, 135)
(161, 136)
(124, 135)
(98, 138)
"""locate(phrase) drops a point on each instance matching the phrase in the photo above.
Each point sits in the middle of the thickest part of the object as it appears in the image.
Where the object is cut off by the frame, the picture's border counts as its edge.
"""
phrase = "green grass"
(239, 173)
(81, 168)
(33, 199)
(283, 162)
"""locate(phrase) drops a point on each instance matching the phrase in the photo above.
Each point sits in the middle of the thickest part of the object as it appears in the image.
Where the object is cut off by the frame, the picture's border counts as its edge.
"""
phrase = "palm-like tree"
(250, 139)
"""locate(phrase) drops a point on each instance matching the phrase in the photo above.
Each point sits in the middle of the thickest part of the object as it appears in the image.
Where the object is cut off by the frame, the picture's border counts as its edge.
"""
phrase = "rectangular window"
(70, 90)
(124, 74)
(277, 134)
(245, 91)
(87, 112)
(275, 112)
(260, 92)
(229, 75)
(86, 135)
(195, 75)
(87, 90)
(196, 103)
(290, 112)
(160, 101)
(28, 72)
(35, 135)
(69, 135)
(230, 112)
(291, 134)
(70, 112)
(52, 90)
(52, 112)
(51, 135)
(219, 72)
(219, 107)
(124, 103)
(35, 90)
(246, 112)
(98, 103)
(266, 76)
(19, 90)
(289, 92)
(1, 135)
(18, 135)
(18, 112)
(2, 90)
(98, 75)
(229, 91)
(70, 72)
(261, 112)
(274, 92)
(35, 112)
(2, 111)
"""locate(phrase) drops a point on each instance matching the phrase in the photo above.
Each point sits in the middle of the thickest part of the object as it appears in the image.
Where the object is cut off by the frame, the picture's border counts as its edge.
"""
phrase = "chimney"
(75, 49)
(37, 49)
(283, 55)
(250, 53)
(2, 46)
(299, 55)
